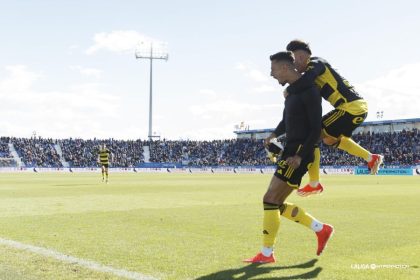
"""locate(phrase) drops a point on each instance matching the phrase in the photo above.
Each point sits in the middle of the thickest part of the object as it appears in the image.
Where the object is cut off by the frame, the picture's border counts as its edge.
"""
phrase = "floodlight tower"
(151, 51)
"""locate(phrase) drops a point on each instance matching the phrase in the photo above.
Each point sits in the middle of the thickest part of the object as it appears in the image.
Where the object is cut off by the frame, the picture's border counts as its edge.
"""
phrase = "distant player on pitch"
(302, 124)
(104, 156)
(338, 125)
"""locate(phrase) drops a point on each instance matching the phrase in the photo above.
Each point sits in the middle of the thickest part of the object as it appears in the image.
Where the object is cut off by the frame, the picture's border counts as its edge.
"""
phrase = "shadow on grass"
(252, 270)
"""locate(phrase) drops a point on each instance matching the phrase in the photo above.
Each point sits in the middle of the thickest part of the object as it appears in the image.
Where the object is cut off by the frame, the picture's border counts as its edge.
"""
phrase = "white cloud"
(241, 66)
(207, 132)
(217, 120)
(120, 41)
(223, 108)
(72, 48)
(79, 111)
(395, 93)
(255, 75)
(89, 72)
(266, 88)
(207, 92)
(250, 71)
(19, 79)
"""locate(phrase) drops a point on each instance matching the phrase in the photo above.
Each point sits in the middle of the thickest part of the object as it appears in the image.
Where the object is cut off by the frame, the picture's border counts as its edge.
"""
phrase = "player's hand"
(268, 139)
(285, 93)
(294, 161)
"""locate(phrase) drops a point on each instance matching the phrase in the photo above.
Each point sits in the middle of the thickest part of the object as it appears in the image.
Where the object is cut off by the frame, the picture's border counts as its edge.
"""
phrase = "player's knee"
(271, 197)
(329, 141)
(268, 198)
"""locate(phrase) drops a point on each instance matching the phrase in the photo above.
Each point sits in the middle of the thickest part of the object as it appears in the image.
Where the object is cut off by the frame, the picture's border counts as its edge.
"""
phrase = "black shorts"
(339, 123)
(106, 165)
(291, 176)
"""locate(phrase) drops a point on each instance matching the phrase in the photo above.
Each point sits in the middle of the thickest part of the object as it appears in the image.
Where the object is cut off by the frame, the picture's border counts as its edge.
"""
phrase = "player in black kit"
(302, 124)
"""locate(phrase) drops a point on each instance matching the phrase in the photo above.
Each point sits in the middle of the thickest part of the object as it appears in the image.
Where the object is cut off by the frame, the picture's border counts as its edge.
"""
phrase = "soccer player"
(338, 125)
(302, 124)
(103, 159)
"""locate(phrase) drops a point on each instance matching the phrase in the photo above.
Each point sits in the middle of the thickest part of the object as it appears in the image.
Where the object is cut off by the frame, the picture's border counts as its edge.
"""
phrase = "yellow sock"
(313, 169)
(271, 224)
(298, 215)
(351, 147)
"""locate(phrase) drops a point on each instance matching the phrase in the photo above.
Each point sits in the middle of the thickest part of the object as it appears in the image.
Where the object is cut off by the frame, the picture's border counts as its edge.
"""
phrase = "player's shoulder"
(314, 60)
(311, 93)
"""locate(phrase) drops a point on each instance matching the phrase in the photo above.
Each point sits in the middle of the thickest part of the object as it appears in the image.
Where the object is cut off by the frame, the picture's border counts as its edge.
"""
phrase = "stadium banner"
(326, 170)
(386, 171)
(337, 170)
(210, 170)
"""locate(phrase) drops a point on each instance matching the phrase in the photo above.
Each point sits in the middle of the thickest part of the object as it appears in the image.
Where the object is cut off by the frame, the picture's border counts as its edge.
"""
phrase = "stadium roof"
(371, 123)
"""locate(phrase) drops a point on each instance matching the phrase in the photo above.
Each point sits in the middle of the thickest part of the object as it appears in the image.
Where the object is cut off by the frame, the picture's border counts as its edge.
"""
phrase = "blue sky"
(68, 68)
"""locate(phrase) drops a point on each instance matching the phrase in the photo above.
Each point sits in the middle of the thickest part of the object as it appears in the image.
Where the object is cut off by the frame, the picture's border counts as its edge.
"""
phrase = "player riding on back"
(338, 125)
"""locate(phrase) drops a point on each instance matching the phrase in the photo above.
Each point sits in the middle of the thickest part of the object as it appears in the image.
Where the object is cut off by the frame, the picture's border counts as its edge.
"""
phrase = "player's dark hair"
(283, 56)
(298, 45)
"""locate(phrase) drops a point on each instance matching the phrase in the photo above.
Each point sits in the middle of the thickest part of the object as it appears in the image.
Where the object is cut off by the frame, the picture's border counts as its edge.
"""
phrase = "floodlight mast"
(145, 51)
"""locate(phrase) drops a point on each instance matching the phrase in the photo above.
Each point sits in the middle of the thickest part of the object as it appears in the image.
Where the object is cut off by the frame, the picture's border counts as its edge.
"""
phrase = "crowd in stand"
(402, 148)
(4, 147)
(84, 153)
(6, 159)
(399, 148)
(201, 153)
(37, 152)
(244, 152)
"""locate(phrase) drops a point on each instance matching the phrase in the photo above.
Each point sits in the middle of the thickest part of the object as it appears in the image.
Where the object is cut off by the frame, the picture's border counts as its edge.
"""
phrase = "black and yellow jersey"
(104, 156)
(301, 120)
(332, 87)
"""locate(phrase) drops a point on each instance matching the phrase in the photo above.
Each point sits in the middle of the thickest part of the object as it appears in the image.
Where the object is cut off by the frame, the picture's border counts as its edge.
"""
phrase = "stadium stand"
(37, 152)
(84, 153)
(4, 147)
(399, 148)
(6, 158)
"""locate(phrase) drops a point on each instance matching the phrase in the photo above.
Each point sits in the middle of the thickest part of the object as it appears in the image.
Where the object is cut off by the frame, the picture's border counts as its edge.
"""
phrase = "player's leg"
(299, 215)
(277, 192)
(314, 186)
(286, 179)
(106, 172)
(374, 161)
(103, 172)
(337, 132)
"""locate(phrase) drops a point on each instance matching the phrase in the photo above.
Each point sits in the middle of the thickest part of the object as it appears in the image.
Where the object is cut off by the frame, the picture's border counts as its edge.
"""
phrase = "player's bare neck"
(293, 77)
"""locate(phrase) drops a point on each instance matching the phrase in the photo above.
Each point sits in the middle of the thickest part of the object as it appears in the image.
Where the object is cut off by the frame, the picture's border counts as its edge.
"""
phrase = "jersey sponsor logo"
(358, 120)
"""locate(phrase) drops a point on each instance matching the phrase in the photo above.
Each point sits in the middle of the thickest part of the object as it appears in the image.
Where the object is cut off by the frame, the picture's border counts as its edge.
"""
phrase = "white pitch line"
(73, 260)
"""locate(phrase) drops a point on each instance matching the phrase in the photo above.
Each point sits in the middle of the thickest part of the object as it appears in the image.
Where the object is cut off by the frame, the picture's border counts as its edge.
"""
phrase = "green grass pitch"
(201, 226)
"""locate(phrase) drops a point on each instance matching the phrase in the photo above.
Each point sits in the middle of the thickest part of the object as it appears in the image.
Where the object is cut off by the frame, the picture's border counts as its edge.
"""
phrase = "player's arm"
(312, 103)
(314, 69)
(280, 129)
